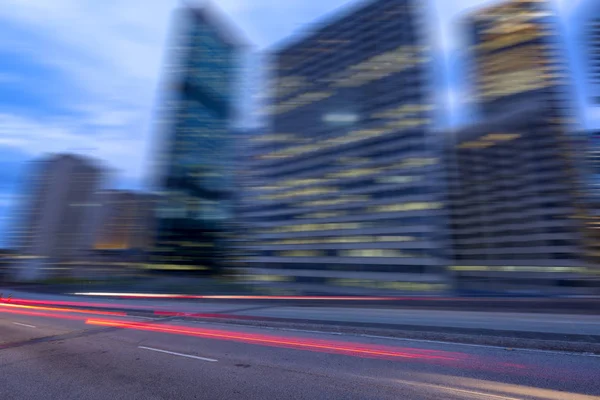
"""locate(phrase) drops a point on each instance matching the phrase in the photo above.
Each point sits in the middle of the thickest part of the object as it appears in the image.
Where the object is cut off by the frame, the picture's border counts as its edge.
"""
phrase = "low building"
(55, 224)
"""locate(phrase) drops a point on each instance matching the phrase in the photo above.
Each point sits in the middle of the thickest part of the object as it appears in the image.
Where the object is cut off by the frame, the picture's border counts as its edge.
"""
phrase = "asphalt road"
(90, 356)
(472, 321)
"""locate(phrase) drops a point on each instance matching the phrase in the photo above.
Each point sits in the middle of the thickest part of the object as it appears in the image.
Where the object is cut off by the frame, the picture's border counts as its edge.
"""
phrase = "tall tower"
(194, 169)
(347, 184)
(517, 59)
(519, 201)
(586, 25)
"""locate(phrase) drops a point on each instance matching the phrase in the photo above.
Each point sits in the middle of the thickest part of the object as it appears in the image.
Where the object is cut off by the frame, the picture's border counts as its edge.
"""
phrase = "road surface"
(382, 316)
(50, 353)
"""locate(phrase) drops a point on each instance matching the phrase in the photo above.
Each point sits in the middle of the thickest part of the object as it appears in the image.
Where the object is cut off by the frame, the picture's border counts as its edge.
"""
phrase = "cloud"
(56, 135)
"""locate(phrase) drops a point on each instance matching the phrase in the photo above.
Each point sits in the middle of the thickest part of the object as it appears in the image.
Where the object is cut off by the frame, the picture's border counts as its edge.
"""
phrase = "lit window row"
(301, 101)
(354, 136)
(379, 67)
(314, 227)
(414, 286)
(349, 253)
(331, 202)
(489, 140)
(300, 192)
(407, 207)
(403, 110)
(324, 215)
(504, 88)
(399, 179)
(340, 239)
(289, 84)
(503, 41)
(375, 253)
(301, 182)
(352, 173)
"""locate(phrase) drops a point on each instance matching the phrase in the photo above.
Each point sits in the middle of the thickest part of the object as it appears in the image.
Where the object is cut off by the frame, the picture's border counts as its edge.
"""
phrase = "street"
(49, 353)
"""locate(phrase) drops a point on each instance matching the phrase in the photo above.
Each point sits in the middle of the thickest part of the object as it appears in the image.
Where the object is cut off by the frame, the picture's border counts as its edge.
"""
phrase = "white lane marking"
(29, 326)
(178, 354)
(448, 388)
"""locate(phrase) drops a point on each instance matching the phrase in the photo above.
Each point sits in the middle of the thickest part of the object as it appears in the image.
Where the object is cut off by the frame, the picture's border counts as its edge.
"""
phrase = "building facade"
(514, 211)
(347, 186)
(515, 49)
(194, 168)
(587, 37)
(56, 225)
(521, 213)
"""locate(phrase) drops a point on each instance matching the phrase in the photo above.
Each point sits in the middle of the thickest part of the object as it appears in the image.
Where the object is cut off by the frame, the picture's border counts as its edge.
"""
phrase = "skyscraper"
(515, 49)
(347, 185)
(588, 29)
(518, 177)
(194, 169)
(56, 224)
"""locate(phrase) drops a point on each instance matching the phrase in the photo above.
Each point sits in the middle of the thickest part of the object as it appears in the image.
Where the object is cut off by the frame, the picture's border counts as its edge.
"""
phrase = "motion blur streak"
(43, 314)
(345, 348)
(69, 310)
(241, 297)
(208, 315)
(73, 304)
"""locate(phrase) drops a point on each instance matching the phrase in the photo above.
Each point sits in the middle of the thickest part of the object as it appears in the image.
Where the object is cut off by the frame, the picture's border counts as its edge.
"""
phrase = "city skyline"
(99, 100)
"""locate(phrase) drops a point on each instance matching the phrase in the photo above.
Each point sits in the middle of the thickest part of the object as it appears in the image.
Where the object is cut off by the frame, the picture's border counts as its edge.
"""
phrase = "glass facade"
(515, 50)
(519, 178)
(351, 154)
(196, 172)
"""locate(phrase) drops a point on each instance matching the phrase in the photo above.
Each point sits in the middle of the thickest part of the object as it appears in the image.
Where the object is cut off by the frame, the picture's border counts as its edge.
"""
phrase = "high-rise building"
(519, 177)
(194, 168)
(515, 214)
(594, 62)
(515, 48)
(589, 38)
(347, 188)
(56, 222)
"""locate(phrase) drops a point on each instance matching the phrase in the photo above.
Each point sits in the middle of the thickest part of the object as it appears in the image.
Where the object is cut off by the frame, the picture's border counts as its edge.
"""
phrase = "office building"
(584, 31)
(520, 211)
(194, 169)
(56, 224)
(516, 215)
(593, 30)
(515, 48)
(347, 189)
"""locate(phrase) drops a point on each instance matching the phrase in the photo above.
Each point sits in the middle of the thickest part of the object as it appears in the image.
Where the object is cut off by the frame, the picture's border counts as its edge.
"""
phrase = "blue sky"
(82, 75)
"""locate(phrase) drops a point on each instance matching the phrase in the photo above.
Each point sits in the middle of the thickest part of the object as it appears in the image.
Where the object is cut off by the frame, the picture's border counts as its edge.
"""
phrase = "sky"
(82, 76)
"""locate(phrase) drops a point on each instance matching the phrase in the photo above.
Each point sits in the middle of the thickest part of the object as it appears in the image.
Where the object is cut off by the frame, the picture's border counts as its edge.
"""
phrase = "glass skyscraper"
(195, 172)
(347, 185)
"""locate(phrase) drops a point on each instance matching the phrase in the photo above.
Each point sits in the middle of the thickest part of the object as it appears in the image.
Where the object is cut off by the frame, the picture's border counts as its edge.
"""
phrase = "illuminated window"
(375, 253)
(324, 215)
(406, 207)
